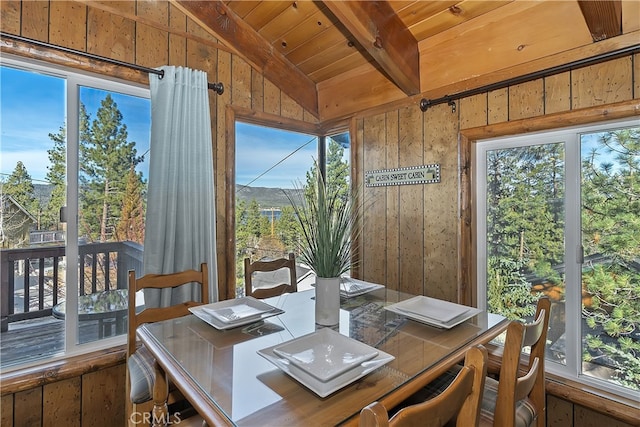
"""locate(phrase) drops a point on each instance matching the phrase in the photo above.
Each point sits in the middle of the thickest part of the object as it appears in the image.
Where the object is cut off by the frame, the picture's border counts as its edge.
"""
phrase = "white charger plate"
(325, 354)
(325, 388)
(353, 287)
(248, 309)
(433, 312)
(236, 313)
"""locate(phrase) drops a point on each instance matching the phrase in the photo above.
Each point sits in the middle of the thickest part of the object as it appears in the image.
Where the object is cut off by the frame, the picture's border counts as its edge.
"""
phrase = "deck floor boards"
(38, 339)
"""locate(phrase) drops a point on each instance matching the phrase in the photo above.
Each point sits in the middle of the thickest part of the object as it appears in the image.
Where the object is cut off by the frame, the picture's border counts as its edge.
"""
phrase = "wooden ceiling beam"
(227, 26)
(375, 25)
(603, 17)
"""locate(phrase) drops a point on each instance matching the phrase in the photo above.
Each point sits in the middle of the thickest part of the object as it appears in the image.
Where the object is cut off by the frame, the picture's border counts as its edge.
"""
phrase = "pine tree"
(131, 224)
(611, 229)
(20, 187)
(15, 224)
(287, 228)
(241, 223)
(106, 157)
(253, 219)
(509, 293)
(525, 215)
(56, 176)
(337, 173)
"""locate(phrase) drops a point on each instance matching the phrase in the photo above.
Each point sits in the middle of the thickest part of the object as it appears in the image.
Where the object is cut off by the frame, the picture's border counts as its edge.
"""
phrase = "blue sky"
(30, 109)
(32, 106)
(258, 149)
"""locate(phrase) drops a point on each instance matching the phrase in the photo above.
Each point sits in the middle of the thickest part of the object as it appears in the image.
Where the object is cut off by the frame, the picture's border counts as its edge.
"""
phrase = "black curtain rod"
(216, 87)
(449, 99)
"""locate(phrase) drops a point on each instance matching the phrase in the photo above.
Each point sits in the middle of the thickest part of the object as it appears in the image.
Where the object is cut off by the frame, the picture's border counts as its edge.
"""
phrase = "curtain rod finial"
(217, 87)
(424, 104)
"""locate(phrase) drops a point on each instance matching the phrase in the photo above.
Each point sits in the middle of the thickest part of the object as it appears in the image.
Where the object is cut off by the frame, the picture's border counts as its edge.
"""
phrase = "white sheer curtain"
(180, 222)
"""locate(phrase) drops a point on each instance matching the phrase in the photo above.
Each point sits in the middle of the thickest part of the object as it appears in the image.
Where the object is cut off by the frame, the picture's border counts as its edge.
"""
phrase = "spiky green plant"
(328, 224)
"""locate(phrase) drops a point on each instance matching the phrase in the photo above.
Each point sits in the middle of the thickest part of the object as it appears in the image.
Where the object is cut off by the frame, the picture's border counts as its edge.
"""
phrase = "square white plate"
(221, 316)
(325, 354)
(325, 388)
(353, 287)
(433, 312)
(236, 313)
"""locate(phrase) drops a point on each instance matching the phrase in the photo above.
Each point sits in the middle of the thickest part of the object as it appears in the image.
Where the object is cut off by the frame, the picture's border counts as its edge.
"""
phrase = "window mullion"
(573, 276)
(71, 319)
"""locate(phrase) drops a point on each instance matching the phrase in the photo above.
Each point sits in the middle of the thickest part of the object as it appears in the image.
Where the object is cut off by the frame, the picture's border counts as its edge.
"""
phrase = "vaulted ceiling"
(300, 45)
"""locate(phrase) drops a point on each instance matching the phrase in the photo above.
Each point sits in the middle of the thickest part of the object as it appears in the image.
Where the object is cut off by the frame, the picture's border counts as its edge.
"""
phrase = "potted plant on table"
(327, 223)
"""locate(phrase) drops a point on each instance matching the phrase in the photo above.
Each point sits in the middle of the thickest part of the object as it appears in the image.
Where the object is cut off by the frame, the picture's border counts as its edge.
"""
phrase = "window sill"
(60, 369)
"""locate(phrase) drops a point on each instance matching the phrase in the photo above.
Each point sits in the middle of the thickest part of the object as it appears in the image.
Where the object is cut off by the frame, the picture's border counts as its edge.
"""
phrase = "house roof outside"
(6, 199)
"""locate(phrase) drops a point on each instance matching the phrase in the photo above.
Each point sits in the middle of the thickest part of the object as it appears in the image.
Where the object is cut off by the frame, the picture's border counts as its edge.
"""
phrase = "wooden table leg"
(160, 412)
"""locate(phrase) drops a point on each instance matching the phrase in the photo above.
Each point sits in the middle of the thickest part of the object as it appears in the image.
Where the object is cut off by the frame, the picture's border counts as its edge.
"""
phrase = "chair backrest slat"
(534, 330)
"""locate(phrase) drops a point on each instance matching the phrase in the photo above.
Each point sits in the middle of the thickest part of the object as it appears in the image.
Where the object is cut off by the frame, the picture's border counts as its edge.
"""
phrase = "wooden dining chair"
(141, 366)
(461, 398)
(518, 398)
(258, 271)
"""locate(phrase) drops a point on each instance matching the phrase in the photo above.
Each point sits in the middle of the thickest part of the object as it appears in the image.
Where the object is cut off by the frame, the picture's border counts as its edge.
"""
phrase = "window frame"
(74, 79)
(245, 115)
(571, 138)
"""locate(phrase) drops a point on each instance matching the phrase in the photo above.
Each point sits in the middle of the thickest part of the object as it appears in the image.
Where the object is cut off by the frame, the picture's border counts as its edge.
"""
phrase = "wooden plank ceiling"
(299, 44)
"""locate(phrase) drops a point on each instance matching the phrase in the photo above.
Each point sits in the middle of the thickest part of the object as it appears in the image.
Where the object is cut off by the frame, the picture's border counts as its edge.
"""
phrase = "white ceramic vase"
(327, 301)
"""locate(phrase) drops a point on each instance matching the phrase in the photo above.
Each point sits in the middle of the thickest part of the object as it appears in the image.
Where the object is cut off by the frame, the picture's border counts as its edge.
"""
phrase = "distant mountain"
(266, 197)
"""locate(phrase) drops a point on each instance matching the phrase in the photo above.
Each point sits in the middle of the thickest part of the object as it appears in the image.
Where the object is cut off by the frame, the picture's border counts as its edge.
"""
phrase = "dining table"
(228, 381)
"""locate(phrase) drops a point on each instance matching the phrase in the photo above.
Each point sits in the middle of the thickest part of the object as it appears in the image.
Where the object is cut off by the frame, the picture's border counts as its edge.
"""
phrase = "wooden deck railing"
(103, 266)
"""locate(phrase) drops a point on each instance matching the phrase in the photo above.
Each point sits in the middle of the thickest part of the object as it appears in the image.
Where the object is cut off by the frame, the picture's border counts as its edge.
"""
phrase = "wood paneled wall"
(85, 390)
(564, 413)
(413, 237)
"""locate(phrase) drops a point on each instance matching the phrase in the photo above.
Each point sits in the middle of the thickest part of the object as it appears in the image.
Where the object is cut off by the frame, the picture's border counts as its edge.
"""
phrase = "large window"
(270, 162)
(75, 152)
(559, 215)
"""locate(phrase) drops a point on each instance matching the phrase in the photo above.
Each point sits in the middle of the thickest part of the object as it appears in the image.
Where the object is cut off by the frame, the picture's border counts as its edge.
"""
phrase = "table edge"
(192, 392)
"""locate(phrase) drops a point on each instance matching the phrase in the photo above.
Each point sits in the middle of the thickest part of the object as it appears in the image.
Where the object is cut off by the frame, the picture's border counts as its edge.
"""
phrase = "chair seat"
(142, 375)
(525, 411)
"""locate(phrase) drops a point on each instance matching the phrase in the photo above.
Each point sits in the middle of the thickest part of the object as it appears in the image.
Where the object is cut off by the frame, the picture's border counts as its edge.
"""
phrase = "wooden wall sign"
(427, 174)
